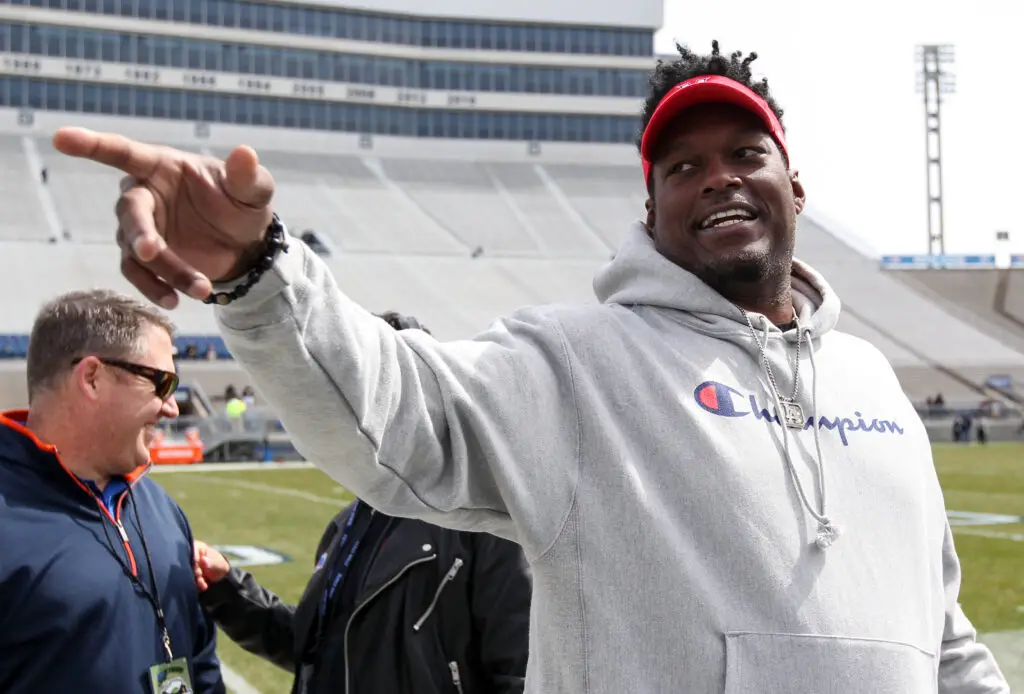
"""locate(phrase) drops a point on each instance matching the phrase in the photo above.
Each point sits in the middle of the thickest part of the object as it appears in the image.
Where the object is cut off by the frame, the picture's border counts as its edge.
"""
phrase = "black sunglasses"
(164, 382)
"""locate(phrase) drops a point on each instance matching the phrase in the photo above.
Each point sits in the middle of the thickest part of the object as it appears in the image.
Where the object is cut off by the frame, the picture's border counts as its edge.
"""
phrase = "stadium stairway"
(22, 189)
(990, 300)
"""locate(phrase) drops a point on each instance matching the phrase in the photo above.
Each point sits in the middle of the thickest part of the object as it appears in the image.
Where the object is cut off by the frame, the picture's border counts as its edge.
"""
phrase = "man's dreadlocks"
(690, 65)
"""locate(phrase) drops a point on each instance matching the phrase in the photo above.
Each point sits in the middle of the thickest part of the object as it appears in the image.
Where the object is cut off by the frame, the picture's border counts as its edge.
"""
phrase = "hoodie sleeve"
(965, 665)
(478, 434)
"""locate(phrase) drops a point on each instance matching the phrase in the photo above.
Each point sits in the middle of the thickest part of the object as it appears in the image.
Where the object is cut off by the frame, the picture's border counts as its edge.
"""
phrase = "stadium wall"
(646, 14)
(198, 135)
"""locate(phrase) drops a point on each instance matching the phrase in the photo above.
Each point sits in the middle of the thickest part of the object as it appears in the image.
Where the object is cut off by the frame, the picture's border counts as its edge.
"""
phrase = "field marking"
(959, 519)
(231, 467)
(235, 682)
(336, 502)
(995, 534)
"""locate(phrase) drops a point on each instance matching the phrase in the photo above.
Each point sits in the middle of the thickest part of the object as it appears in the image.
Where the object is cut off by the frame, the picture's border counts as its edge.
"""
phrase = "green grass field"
(286, 510)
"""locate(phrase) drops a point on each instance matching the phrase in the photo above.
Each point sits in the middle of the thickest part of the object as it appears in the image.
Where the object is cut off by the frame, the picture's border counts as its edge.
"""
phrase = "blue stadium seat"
(16, 346)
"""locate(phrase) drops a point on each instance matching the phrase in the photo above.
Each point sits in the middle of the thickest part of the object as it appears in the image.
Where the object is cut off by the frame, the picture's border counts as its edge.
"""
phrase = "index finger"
(136, 159)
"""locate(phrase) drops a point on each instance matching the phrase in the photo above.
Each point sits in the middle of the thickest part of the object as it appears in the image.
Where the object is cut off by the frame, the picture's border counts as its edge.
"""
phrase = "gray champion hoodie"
(678, 533)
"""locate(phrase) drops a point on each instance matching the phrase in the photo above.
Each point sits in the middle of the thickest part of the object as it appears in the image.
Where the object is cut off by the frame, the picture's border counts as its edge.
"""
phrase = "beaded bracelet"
(272, 244)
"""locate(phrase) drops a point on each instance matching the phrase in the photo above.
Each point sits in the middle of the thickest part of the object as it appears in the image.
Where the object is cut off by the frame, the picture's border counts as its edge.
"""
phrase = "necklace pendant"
(792, 414)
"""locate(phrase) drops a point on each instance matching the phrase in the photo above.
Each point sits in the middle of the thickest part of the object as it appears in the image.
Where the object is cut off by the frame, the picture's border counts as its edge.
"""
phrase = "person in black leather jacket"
(394, 605)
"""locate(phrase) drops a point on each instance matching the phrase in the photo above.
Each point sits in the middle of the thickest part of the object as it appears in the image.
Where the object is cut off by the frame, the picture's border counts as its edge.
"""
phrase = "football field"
(272, 518)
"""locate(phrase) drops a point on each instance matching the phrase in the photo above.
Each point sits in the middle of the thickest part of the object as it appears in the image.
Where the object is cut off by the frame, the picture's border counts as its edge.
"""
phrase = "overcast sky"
(845, 75)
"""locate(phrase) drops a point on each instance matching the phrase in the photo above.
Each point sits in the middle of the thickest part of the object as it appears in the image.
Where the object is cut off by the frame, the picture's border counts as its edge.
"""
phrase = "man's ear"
(86, 377)
(799, 196)
(649, 223)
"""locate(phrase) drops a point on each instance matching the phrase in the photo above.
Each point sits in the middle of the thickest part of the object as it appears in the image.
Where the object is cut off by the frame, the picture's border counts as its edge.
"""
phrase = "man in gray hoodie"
(717, 491)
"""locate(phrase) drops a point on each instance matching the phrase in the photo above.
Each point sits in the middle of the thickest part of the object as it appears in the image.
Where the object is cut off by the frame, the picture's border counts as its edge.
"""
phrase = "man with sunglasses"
(96, 575)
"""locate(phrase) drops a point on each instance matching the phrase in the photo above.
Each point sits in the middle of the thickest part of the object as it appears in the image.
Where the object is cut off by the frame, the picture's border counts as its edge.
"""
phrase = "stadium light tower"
(934, 80)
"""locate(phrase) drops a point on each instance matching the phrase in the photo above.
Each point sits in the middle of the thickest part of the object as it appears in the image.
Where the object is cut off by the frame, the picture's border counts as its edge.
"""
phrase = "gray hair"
(78, 324)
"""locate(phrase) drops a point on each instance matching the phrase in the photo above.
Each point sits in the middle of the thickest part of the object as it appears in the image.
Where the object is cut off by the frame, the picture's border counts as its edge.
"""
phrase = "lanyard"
(342, 569)
(152, 593)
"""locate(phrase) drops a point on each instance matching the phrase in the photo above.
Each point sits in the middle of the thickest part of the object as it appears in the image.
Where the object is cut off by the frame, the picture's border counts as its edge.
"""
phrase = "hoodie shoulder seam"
(566, 355)
(574, 510)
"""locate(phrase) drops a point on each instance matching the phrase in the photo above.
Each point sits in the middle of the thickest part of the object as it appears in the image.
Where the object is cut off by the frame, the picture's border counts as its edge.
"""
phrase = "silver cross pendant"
(792, 414)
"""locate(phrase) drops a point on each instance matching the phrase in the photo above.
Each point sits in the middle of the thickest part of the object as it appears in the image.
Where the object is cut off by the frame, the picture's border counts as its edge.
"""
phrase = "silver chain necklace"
(793, 417)
(792, 413)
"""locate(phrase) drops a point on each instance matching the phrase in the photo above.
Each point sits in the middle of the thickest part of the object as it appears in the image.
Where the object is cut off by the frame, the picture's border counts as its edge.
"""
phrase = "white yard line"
(1016, 537)
(235, 682)
(336, 502)
(230, 467)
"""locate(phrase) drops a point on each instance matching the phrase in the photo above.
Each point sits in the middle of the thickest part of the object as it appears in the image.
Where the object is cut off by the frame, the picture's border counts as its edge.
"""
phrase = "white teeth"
(730, 216)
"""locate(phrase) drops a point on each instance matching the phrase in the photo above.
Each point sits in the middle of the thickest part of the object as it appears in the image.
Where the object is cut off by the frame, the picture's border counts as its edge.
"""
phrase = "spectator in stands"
(664, 457)
(458, 621)
(249, 397)
(96, 589)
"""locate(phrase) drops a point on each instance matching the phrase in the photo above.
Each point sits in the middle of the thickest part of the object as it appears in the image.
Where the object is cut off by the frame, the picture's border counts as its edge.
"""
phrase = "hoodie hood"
(640, 275)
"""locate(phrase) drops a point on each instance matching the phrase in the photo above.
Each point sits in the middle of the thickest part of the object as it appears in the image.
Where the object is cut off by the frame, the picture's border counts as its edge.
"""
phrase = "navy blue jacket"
(71, 619)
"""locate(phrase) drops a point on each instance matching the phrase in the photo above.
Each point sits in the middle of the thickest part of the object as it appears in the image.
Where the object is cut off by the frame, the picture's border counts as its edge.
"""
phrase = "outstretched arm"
(482, 434)
(461, 434)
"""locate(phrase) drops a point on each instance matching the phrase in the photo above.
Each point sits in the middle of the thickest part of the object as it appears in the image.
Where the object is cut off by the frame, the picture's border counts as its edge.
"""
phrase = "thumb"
(245, 180)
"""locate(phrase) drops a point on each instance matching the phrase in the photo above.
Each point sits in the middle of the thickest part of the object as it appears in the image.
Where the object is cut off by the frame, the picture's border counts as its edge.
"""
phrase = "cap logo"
(690, 83)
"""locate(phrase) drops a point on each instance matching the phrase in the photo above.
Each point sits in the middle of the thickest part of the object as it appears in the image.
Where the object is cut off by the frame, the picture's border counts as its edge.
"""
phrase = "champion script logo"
(724, 401)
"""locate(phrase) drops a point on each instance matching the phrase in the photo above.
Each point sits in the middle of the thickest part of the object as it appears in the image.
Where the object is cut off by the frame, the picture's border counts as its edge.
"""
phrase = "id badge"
(171, 678)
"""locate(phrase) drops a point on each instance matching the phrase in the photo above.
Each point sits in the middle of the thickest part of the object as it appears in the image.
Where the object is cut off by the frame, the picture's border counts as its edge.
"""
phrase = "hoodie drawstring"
(828, 532)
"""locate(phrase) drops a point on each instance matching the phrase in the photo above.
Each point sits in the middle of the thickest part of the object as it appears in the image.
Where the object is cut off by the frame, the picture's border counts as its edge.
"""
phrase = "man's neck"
(52, 430)
(779, 313)
(774, 300)
(756, 289)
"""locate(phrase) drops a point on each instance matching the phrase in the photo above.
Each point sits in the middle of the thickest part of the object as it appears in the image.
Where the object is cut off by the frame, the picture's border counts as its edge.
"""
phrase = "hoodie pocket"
(448, 578)
(761, 663)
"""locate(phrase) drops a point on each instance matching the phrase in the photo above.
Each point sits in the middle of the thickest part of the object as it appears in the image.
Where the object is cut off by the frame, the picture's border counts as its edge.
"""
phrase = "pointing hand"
(184, 220)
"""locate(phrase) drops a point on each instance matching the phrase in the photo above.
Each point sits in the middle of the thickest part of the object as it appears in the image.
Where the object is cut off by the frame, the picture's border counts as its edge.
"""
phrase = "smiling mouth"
(726, 218)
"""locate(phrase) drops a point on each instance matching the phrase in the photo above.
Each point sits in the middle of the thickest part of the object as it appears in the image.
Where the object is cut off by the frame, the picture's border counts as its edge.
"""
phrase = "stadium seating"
(459, 242)
(360, 213)
(991, 300)
(463, 197)
(878, 299)
(606, 196)
(19, 185)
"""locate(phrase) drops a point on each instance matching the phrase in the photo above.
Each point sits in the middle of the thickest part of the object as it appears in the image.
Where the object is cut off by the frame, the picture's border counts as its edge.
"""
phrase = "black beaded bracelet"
(272, 244)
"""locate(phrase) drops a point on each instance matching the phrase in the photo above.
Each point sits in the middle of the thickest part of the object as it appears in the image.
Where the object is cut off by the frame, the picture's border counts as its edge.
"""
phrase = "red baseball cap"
(702, 90)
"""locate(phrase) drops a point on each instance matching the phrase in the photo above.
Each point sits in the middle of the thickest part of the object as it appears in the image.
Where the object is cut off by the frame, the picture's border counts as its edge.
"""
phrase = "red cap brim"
(703, 90)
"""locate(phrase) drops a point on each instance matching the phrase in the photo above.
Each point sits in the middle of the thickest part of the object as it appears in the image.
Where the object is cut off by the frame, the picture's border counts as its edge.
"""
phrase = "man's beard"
(748, 271)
